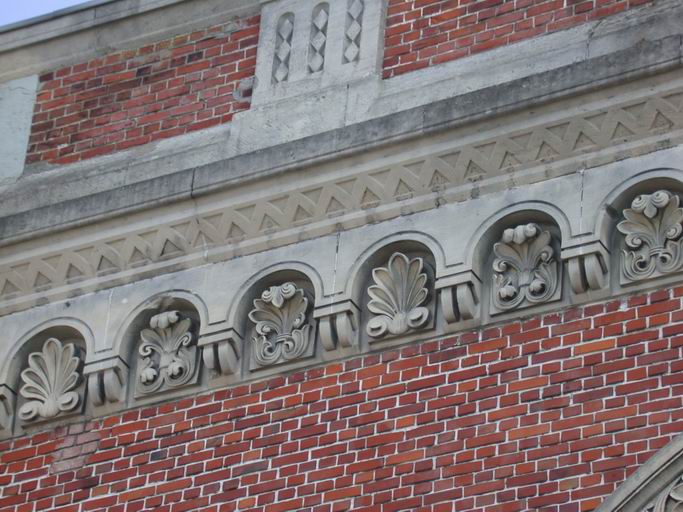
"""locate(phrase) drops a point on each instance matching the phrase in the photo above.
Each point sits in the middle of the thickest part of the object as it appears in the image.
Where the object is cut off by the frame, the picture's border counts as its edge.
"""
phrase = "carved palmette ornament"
(50, 383)
(525, 270)
(652, 230)
(168, 353)
(282, 330)
(397, 297)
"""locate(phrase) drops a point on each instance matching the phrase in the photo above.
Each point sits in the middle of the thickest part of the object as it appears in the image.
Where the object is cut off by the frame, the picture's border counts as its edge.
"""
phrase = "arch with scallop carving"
(429, 243)
(374, 306)
(42, 376)
(77, 327)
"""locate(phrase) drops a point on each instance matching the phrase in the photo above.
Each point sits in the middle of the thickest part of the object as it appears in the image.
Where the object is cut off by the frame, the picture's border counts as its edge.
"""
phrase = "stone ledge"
(645, 59)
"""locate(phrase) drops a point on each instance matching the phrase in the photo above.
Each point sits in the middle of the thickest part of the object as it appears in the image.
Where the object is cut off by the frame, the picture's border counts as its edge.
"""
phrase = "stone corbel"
(221, 349)
(460, 297)
(7, 403)
(338, 324)
(587, 266)
(107, 381)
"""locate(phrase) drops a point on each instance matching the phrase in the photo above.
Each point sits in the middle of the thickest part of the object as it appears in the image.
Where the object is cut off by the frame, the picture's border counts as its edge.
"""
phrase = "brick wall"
(422, 33)
(134, 97)
(551, 413)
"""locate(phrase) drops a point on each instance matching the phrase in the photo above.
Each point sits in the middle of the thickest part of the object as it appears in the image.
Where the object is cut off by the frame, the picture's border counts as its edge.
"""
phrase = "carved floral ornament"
(652, 230)
(525, 271)
(282, 330)
(168, 354)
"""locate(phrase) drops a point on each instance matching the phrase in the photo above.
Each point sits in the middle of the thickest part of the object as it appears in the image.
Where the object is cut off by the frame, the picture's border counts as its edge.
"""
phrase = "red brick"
(418, 32)
(121, 83)
(436, 427)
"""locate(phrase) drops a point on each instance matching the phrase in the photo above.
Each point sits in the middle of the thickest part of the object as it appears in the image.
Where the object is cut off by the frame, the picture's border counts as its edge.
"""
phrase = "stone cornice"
(344, 194)
(642, 60)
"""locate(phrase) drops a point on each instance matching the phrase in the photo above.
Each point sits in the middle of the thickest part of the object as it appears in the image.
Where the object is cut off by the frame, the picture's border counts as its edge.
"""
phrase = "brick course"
(422, 33)
(130, 98)
(549, 413)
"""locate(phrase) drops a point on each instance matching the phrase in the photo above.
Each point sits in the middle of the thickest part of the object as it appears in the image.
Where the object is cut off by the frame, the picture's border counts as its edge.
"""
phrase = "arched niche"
(490, 231)
(518, 258)
(44, 373)
(642, 224)
(158, 342)
(393, 287)
(274, 316)
(621, 196)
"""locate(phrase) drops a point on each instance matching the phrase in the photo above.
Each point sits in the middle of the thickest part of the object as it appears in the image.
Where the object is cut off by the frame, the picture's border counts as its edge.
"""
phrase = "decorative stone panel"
(525, 269)
(50, 383)
(305, 45)
(168, 357)
(283, 48)
(398, 297)
(316, 49)
(652, 229)
(283, 328)
(366, 294)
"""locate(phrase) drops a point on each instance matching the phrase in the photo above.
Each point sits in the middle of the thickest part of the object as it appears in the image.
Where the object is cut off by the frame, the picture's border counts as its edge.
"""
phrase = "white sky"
(17, 10)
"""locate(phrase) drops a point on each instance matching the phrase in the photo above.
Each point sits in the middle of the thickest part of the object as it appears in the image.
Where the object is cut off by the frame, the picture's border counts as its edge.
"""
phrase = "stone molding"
(391, 190)
(451, 162)
(392, 297)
